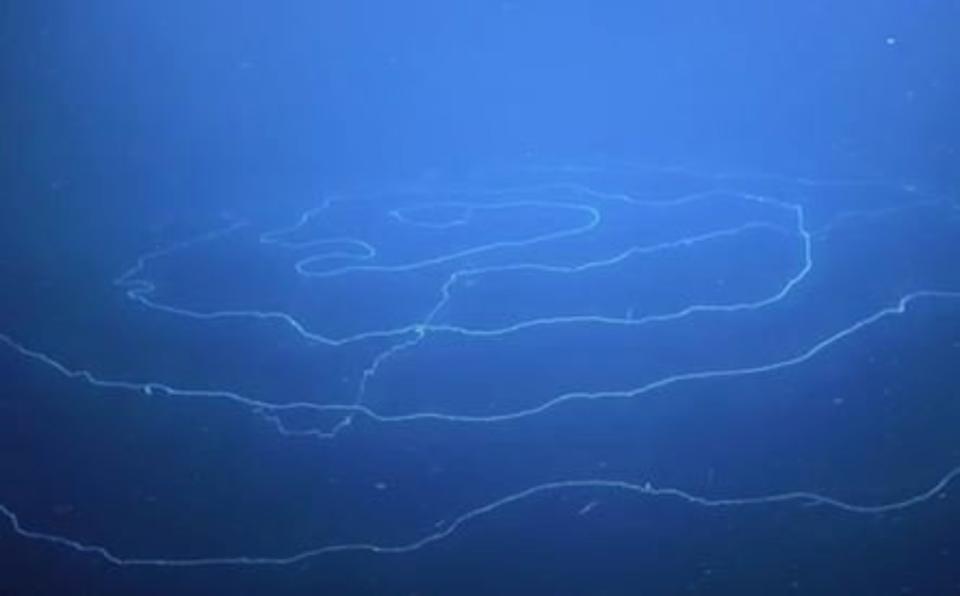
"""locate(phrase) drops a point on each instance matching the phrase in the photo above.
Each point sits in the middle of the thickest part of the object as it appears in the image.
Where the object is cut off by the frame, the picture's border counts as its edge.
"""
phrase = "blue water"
(548, 298)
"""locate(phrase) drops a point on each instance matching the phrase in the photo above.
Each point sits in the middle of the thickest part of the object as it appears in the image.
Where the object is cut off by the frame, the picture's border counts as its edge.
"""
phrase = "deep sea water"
(531, 297)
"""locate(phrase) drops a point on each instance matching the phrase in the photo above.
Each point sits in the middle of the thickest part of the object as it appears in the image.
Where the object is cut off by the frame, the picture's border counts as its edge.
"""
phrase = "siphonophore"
(383, 370)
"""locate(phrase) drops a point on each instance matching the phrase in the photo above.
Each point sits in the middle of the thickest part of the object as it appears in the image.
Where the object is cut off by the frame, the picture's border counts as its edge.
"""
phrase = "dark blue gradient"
(442, 298)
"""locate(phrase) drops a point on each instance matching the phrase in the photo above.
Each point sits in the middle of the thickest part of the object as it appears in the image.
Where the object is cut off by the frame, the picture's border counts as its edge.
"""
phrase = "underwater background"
(454, 298)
